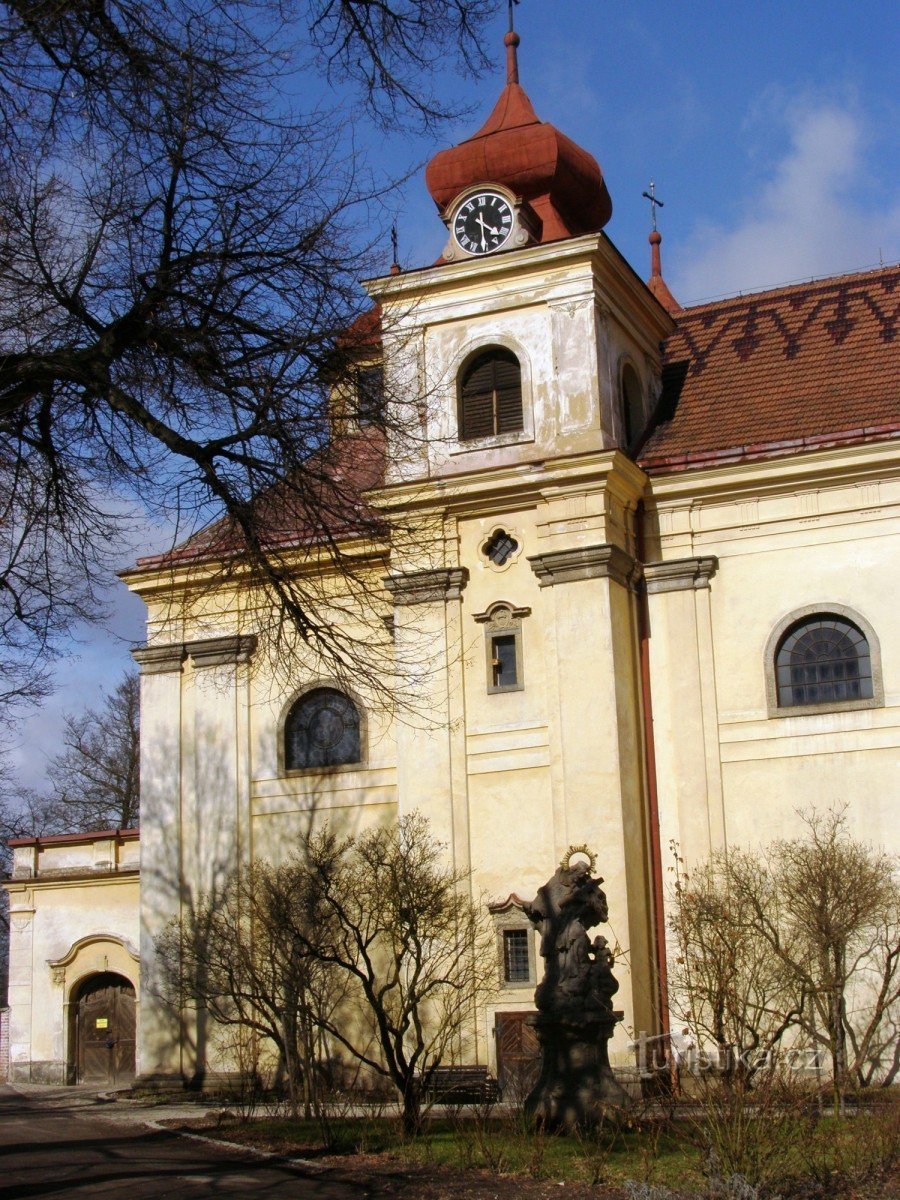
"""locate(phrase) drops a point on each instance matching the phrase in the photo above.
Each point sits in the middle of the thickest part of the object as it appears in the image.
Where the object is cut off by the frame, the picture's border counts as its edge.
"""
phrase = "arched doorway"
(104, 1030)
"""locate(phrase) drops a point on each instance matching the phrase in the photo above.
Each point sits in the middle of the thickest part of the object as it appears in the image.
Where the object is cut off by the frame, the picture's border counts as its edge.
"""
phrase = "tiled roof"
(327, 504)
(752, 377)
(778, 371)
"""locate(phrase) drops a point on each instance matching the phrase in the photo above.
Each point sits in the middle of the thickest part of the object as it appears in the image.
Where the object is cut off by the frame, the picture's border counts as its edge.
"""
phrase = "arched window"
(322, 730)
(632, 404)
(490, 395)
(823, 659)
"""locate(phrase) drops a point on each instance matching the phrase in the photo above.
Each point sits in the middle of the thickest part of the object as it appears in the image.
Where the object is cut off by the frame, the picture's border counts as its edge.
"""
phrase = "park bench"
(463, 1085)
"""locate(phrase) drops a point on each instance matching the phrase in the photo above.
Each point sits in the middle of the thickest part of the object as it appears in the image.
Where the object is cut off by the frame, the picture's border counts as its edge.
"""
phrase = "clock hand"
(488, 228)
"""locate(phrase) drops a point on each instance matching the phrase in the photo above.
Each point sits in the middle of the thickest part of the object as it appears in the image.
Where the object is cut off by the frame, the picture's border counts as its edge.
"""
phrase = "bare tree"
(95, 780)
(805, 933)
(415, 948)
(726, 985)
(179, 251)
(369, 946)
(838, 933)
(238, 959)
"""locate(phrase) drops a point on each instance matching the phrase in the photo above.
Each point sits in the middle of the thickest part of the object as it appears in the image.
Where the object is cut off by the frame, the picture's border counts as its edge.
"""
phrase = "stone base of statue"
(576, 1084)
(575, 1017)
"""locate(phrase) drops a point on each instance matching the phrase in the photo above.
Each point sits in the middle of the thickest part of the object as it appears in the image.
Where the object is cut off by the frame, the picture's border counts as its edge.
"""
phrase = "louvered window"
(490, 400)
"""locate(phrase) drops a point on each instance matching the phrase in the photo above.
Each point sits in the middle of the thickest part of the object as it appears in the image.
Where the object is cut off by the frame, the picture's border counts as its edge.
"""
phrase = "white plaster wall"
(48, 919)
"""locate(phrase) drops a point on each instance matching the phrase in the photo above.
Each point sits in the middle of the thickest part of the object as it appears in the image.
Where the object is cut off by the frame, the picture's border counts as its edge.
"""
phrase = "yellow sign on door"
(101, 1023)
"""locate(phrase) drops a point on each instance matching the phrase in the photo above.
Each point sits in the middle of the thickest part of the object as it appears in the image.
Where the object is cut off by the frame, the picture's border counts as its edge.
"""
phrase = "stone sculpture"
(575, 1017)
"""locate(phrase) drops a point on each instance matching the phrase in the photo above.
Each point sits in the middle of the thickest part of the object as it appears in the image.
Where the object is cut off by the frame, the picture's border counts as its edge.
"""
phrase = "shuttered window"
(490, 396)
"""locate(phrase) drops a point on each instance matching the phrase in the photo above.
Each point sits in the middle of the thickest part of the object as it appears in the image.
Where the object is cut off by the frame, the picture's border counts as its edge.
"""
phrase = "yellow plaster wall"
(815, 531)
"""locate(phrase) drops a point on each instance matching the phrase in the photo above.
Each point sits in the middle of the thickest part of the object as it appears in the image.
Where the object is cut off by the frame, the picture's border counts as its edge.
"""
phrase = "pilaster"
(431, 746)
(194, 816)
(682, 669)
(21, 989)
(596, 751)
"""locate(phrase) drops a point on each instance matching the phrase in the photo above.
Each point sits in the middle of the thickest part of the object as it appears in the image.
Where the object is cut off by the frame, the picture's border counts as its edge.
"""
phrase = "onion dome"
(561, 181)
(656, 283)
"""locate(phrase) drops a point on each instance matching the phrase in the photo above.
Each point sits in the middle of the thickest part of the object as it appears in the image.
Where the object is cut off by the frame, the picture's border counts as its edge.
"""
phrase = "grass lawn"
(489, 1157)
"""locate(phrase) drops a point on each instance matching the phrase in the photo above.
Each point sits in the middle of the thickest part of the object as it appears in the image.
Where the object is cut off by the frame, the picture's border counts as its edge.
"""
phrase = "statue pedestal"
(576, 1083)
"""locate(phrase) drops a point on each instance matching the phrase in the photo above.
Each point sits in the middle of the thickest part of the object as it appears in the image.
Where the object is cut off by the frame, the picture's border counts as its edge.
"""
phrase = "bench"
(463, 1085)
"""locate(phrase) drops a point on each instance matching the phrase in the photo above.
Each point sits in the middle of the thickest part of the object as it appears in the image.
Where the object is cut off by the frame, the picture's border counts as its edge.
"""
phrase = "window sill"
(304, 772)
(827, 706)
(476, 445)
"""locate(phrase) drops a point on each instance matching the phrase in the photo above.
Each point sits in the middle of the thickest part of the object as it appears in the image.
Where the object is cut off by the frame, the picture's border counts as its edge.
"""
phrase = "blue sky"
(769, 128)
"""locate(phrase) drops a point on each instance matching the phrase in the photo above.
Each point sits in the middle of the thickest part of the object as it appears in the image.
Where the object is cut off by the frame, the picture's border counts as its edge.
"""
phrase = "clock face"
(483, 223)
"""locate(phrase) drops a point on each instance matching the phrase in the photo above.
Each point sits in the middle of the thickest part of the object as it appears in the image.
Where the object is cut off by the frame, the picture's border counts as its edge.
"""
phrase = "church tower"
(534, 351)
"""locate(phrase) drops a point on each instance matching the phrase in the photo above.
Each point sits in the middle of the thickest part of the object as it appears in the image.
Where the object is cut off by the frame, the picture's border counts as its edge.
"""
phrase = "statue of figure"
(575, 1017)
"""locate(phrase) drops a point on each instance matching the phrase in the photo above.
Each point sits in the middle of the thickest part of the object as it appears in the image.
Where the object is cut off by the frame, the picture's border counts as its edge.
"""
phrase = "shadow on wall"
(195, 875)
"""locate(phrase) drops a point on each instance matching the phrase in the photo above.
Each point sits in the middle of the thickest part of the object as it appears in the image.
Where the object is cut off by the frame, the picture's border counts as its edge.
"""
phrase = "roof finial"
(654, 203)
(395, 265)
(656, 283)
(655, 236)
(511, 42)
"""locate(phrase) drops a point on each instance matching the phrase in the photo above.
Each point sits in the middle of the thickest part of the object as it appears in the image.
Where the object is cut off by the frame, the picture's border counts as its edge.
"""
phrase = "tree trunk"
(412, 1109)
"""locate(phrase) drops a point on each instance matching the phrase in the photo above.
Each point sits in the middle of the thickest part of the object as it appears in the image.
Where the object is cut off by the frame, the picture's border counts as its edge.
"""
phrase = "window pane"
(503, 650)
(322, 730)
(823, 660)
(516, 968)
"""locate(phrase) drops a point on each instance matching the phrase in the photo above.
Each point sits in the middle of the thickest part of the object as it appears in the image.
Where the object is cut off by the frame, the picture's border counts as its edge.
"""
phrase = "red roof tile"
(752, 377)
(777, 371)
(327, 505)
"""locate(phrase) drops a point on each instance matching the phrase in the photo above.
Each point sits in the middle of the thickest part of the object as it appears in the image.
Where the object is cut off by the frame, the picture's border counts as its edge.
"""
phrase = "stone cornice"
(680, 574)
(488, 492)
(427, 587)
(158, 660)
(205, 652)
(585, 562)
(813, 468)
(221, 651)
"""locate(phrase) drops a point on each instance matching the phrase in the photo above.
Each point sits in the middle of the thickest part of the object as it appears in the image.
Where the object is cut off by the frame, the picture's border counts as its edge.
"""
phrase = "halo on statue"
(583, 851)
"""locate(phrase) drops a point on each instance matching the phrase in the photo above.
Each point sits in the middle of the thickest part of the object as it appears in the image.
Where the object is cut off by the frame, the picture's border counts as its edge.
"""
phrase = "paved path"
(61, 1143)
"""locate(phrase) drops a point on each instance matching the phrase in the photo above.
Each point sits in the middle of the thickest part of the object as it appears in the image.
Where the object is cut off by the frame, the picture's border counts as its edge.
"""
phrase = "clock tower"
(532, 352)
(534, 179)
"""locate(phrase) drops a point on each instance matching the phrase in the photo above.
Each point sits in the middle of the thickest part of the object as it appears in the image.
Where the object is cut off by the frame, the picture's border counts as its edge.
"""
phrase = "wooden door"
(105, 1030)
(518, 1054)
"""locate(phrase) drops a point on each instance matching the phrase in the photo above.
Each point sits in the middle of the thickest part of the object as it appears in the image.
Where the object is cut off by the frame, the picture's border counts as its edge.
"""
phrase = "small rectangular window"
(516, 961)
(503, 661)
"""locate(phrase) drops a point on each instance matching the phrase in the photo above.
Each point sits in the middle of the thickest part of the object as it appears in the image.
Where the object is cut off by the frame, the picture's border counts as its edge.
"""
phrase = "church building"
(654, 552)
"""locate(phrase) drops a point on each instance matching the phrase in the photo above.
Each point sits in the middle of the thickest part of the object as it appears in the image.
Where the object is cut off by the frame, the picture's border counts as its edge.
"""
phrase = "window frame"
(798, 616)
(503, 619)
(510, 922)
(333, 685)
(451, 419)
(364, 415)
(511, 532)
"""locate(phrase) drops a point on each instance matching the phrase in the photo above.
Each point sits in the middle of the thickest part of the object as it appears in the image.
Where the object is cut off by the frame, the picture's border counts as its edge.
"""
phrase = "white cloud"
(806, 218)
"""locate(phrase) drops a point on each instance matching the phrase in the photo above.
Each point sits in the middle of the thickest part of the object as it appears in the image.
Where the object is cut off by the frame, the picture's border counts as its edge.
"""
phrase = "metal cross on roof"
(511, 4)
(654, 203)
